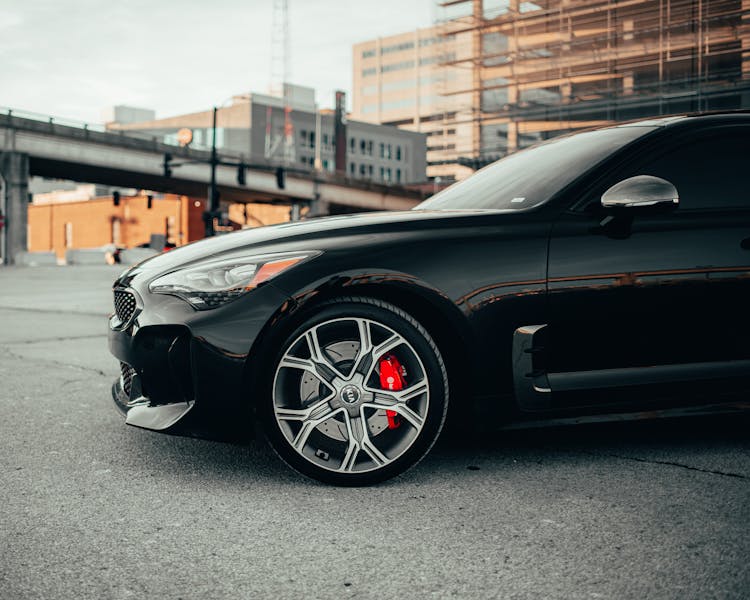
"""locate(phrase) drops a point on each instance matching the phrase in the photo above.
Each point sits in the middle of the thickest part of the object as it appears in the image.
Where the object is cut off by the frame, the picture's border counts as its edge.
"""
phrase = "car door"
(652, 300)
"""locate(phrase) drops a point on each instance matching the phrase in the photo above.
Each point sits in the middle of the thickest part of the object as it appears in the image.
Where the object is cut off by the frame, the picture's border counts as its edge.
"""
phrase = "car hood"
(311, 231)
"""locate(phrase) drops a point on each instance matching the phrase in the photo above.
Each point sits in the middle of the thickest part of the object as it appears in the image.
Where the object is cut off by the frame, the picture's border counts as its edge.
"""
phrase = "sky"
(74, 58)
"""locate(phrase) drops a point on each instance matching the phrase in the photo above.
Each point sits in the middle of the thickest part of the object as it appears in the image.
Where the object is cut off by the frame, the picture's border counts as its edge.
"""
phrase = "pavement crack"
(56, 363)
(54, 312)
(58, 339)
(670, 463)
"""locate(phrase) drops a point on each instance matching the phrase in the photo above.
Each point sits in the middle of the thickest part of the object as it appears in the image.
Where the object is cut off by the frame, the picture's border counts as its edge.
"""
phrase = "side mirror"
(641, 191)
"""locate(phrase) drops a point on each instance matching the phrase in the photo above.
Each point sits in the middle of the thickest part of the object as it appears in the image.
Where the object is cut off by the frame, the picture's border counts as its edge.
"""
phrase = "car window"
(530, 177)
(710, 171)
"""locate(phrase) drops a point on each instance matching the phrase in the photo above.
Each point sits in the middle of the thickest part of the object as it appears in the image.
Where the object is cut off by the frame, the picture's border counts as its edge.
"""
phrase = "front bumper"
(185, 371)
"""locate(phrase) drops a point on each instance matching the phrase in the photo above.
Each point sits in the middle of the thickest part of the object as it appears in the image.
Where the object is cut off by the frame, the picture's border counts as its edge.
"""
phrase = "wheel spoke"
(309, 425)
(392, 342)
(363, 359)
(366, 363)
(303, 414)
(397, 402)
(324, 366)
(359, 441)
(365, 339)
(320, 370)
(388, 398)
(402, 409)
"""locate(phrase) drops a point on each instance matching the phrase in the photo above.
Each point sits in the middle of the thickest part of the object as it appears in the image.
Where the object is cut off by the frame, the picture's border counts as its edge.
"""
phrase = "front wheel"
(359, 393)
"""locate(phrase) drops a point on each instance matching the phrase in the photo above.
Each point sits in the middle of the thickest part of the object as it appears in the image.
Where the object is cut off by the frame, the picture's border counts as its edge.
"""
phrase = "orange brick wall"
(92, 221)
(256, 215)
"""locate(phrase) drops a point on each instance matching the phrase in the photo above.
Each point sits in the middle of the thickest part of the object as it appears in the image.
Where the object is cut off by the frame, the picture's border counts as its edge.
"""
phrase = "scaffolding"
(528, 71)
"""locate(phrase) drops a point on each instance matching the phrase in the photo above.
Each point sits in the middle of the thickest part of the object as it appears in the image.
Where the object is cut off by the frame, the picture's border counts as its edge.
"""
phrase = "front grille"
(127, 377)
(125, 305)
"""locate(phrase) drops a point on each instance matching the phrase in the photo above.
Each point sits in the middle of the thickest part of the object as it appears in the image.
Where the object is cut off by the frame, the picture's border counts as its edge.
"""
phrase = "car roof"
(703, 118)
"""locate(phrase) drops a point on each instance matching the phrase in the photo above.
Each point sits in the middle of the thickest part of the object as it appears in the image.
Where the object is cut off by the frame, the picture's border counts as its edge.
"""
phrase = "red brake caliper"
(392, 379)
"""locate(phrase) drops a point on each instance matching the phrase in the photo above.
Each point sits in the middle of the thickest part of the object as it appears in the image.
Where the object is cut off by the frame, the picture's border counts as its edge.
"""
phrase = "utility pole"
(213, 194)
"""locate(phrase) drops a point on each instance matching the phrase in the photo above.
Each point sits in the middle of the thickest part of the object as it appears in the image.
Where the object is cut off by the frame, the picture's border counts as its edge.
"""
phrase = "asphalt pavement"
(91, 508)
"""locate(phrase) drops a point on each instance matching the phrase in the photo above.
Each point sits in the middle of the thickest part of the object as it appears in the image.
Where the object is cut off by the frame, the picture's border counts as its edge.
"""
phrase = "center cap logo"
(350, 394)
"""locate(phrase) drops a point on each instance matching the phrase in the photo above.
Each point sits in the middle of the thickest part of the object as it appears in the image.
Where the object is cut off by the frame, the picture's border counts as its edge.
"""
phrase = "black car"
(601, 273)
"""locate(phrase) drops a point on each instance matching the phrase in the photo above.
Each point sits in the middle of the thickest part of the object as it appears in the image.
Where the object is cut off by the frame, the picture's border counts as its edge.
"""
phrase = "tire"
(324, 409)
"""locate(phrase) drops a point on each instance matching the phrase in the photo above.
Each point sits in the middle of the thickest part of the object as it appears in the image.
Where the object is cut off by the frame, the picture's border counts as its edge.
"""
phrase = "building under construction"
(512, 73)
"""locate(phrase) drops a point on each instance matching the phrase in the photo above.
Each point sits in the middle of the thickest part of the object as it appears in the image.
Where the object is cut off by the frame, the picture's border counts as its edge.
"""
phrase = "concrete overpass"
(80, 153)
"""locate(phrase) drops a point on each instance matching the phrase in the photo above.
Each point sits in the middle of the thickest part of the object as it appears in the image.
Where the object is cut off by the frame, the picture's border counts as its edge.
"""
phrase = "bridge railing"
(159, 142)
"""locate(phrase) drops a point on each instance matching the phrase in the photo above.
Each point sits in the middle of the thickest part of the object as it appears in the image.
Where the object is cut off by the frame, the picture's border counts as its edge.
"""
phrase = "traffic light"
(280, 178)
(116, 198)
(241, 174)
(149, 201)
(167, 167)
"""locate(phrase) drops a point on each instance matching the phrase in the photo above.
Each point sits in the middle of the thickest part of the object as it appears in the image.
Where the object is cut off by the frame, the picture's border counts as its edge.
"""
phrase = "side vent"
(529, 374)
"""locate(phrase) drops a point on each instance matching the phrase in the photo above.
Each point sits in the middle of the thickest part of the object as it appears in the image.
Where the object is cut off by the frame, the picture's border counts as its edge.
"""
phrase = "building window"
(325, 140)
(398, 175)
(352, 168)
(382, 173)
(388, 154)
(325, 164)
(362, 170)
(303, 136)
(369, 147)
(368, 53)
(369, 171)
(382, 150)
(352, 145)
(398, 152)
(388, 174)
(362, 147)
(369, 71)
(312, 139)
(431, 60)
(397, 47)
(407, 64)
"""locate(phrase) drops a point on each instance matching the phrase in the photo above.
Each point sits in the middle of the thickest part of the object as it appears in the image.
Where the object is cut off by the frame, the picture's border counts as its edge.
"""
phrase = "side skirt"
(535, 387)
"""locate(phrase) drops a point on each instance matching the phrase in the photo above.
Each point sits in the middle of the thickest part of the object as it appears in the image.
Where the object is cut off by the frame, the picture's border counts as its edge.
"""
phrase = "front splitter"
(139, 413)
(157, 418)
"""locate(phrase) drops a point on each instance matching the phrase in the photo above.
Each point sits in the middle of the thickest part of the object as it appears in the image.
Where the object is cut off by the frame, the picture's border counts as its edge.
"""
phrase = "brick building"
(57, 223)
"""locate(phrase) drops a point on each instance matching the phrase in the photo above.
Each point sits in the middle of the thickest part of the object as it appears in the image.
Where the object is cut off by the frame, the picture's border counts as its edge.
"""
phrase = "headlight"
(212, 283)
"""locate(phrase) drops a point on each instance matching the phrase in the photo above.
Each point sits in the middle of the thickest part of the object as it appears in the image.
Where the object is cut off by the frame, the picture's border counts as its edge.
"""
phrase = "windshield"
(531, 177)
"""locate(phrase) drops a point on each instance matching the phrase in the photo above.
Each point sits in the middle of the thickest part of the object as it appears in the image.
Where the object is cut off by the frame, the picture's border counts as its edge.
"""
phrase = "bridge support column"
(14, 170)
(318, 208)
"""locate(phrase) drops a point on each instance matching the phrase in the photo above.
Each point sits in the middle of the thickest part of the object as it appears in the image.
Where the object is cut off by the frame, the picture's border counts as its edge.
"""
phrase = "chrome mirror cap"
(641, 190)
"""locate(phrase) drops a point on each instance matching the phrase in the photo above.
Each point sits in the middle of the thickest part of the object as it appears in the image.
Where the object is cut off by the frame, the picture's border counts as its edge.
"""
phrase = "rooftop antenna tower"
(280, 146)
